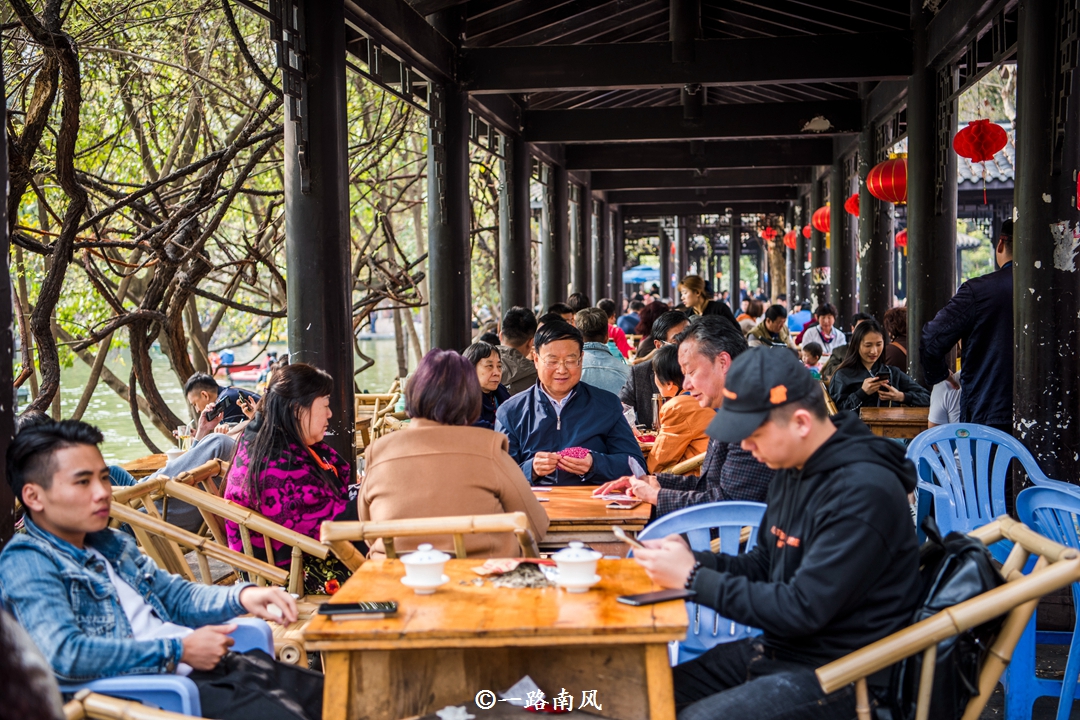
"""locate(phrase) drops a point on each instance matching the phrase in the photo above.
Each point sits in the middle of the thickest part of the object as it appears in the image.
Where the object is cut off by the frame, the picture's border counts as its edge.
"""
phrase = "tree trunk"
(777, 268)
(399, 344)
(414, 338)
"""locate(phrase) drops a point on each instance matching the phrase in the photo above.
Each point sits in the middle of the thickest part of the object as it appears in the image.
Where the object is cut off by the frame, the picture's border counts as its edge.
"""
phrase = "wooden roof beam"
(405, 33)
(811, 58)
(703, 195)
(645, 124)
(736, 177)
(662, 210)
(700, 155)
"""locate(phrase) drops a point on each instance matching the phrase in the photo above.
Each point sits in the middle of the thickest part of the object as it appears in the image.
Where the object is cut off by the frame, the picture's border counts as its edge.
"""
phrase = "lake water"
(110, 412)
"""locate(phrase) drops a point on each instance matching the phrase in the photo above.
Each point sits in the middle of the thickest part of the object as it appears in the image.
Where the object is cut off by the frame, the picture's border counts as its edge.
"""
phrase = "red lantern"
(980, 141)
(901, 239)
(768, 234)
(888, 180)
(852, 204)
(806, 231)
(790, 237)
(821, 218)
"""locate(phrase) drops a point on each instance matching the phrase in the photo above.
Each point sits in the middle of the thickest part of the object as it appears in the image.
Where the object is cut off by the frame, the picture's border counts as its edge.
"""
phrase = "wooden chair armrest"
(88, 704)
(687, 466)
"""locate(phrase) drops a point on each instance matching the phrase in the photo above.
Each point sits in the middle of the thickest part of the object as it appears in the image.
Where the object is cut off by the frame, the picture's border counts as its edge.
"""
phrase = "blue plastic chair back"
(965, 468)
(1053, 510)
(706, 627)
(176, 693)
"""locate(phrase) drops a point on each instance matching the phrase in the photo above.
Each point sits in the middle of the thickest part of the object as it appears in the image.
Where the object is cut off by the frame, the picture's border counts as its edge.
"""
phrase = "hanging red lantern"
(901, 239)
(806, 231)
(821, 219)
(980, 141)
(790, 237)
(768, 234)
(888, 180)
(852, 204)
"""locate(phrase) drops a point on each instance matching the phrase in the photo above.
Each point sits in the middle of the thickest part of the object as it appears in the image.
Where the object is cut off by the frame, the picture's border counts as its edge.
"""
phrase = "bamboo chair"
(1057, 568)
(89, 704)
(829, 404)
(686, 466)
(341, 535)
(288, 641)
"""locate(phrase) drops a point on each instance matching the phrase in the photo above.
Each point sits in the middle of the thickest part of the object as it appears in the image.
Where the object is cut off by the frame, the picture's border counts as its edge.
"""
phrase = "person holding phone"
(214, 404)
(863, 378)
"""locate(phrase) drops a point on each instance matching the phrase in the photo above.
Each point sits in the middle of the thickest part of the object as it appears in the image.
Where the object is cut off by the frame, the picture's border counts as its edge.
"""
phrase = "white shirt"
(814, 335)
(944, 404)
(145, 624)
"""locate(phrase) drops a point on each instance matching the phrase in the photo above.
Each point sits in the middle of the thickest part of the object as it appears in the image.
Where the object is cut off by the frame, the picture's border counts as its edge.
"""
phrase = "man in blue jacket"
(980, 315)
(561, 412)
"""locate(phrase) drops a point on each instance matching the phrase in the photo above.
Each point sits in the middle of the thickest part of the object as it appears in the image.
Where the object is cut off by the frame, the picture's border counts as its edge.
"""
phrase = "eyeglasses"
(567, 363)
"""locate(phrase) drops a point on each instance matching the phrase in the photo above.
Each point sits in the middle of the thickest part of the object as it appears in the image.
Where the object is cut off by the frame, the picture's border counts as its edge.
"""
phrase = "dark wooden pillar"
(819, 255)
(665, 264)
(560, 230)
(1045, 302)
(734, 255)
(802, 251)
(682, 252)
(618, 256)
(515, 272)
(7, 390)
(579, 240)
(842, 255)
(598, 253)
(317, 242)
(931, 214)
(875, 237)
(790, 285)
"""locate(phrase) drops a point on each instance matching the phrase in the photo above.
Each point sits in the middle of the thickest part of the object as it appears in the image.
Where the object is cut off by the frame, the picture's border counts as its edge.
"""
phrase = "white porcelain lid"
(577, 552)
(425, 555)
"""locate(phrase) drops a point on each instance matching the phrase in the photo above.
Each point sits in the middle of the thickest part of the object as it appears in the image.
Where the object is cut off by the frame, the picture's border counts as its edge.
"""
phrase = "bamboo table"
(576, 515)
(896, 422)
(146, 466)
(443, 649)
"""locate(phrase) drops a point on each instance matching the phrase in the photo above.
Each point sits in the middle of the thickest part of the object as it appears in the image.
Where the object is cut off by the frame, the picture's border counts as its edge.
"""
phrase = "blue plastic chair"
(1054, 511)
(965, 469)
(176, 693)
(708, 628)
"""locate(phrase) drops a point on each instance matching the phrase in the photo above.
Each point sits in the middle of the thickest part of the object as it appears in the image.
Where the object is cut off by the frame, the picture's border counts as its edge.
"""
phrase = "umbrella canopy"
(640, 274)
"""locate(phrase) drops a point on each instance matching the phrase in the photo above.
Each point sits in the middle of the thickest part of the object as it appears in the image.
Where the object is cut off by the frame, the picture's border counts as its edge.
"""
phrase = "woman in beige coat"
(440, 466)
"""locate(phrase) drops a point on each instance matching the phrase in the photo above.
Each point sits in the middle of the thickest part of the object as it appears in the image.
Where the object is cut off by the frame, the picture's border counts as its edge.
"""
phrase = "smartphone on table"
(659, 596)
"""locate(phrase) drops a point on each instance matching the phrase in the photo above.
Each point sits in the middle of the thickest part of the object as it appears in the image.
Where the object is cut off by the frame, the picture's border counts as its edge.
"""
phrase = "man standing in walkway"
(980, 316)
(836, 565)
(706, 350)
(515, 349)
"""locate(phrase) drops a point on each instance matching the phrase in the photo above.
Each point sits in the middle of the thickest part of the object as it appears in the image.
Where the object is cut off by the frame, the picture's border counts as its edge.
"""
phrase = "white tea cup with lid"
(577, 567)
(424, 569)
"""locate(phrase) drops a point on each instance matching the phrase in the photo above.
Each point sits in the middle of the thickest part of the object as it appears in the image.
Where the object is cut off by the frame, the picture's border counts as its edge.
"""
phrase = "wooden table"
(896, 422)
(146, 466)
(443, 649)
(576, 515)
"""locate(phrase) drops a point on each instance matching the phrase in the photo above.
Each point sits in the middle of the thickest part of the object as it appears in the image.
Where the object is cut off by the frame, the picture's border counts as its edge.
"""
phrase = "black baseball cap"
(759, 381)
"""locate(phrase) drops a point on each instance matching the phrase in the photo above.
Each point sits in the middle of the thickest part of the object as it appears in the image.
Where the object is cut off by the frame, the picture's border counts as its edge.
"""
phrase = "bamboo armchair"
(1058, 567)
(686, 466)
(829, 404)
(102, 707)
(341, 535)
(144, 494)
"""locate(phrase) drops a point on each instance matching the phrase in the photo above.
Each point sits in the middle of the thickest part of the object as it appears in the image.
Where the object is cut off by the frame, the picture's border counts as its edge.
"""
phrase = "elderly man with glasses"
(563, 431)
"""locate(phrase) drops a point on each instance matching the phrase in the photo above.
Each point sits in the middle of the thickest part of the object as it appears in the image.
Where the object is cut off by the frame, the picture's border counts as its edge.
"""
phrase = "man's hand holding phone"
(209, 419)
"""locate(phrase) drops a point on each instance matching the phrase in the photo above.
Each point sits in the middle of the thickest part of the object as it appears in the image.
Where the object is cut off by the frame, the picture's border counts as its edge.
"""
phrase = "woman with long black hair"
(861, 378)
(283, 470)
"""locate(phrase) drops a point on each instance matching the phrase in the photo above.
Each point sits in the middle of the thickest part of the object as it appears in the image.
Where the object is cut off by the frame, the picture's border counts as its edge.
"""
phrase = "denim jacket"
(62, 596)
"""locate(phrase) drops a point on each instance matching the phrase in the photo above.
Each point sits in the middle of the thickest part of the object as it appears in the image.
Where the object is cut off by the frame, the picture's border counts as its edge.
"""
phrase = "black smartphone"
(883, 375)
(382, 609)
(220, 407)
(656, 597)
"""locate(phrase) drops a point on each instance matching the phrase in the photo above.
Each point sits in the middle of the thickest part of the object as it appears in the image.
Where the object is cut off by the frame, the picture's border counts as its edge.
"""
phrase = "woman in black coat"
(856, 381)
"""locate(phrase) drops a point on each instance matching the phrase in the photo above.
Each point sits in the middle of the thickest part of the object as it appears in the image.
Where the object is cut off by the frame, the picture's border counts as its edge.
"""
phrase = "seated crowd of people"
(741, 397)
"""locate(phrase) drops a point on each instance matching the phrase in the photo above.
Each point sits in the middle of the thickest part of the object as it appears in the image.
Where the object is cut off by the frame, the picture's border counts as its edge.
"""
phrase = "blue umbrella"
(640, 274)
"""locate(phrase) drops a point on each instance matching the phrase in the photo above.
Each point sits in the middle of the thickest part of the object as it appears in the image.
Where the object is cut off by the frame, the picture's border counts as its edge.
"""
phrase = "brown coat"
(433, 470)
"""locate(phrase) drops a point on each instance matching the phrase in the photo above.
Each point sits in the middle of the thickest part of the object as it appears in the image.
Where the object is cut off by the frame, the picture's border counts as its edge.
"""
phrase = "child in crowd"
(682, 419)
(811, 357)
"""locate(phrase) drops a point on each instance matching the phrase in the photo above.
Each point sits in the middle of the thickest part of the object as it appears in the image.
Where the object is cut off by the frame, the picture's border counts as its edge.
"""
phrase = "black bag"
(952, 570)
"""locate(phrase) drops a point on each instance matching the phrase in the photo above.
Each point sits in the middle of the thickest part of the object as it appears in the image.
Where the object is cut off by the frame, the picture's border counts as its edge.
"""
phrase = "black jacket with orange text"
(836, 565)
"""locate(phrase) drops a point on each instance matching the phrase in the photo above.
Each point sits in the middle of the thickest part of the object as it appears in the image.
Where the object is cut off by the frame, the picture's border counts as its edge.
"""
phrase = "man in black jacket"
(981, 315)
(836, 563)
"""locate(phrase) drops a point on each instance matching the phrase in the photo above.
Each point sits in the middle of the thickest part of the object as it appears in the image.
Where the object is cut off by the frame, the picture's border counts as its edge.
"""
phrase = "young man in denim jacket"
(97, 607)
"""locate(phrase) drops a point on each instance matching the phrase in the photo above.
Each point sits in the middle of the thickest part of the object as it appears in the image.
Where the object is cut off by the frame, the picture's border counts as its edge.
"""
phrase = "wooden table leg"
(337, 689)
(661, 691)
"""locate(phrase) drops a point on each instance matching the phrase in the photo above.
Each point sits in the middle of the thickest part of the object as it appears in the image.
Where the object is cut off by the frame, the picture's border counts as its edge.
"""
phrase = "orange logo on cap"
(778, 395)
(729, 395)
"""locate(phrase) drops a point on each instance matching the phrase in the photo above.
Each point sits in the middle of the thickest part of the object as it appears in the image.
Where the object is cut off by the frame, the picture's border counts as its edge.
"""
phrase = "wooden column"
(682, 252)
(819, 255)
(1045, 288)
(579, 240)
(598, 242)
(790, 277)
(7, 410)
(802, 251)
(560, 230)
(734, 254)
(318, 249)
(842, 255)
(875, 237)
(515, 271)
(665, 245)
(931, 214)
(618, 255)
